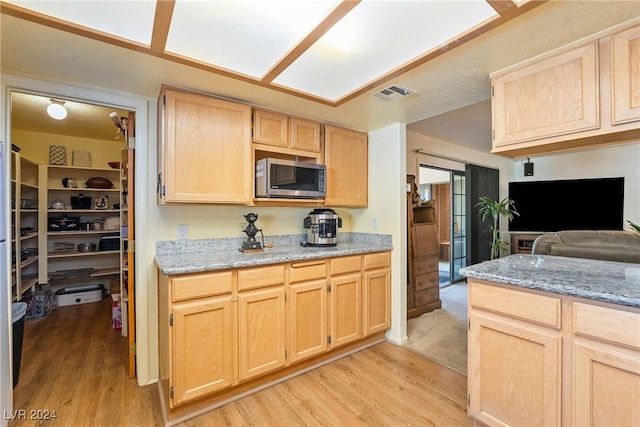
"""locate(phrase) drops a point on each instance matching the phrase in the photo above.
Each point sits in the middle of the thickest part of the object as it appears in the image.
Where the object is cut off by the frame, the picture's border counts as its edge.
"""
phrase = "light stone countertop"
(193, 256)
(612, 282)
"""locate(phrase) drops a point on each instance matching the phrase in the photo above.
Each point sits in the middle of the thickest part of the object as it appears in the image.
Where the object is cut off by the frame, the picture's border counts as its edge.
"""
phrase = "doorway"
(93, 142)
(448, 189)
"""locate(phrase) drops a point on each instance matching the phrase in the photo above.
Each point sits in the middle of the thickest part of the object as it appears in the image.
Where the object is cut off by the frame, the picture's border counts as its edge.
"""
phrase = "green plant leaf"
(494, 209)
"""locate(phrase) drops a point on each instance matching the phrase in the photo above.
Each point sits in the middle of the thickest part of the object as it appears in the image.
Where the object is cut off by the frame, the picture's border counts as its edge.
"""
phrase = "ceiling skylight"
(245, 36)
(130, 20)
(379, 36)
(328, 51)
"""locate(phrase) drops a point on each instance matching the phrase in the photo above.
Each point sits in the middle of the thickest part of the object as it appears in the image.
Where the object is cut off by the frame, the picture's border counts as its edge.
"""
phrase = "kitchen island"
(232, 323)
(554, 341)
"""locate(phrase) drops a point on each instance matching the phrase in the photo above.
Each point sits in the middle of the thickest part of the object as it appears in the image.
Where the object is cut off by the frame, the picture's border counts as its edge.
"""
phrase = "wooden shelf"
(85, 189)
(105, 272)
(79, 254)
(81, 232)
(66, 211)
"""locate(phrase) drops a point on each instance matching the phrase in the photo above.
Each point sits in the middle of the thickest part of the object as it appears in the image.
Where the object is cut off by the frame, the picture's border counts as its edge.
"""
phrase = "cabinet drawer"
(260, 277)
(525, 305)
(427, 296)
(425, 281)
(425, 265)
(200, 285)
(379, 260)
(617, 326)
(347, 264)
(302, 271)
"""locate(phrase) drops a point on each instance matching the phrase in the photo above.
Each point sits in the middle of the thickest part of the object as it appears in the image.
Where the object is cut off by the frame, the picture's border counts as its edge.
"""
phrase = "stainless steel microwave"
(290, 179)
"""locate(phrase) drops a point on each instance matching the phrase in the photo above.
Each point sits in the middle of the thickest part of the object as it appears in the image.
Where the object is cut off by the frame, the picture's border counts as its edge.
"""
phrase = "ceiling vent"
(394, 92)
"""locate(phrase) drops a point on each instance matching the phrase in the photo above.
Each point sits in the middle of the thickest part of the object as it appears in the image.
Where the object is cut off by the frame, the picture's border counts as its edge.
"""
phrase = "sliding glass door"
(459, 228)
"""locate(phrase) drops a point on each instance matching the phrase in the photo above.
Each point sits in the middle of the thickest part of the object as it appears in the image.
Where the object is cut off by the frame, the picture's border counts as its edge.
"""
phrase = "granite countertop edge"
(606, 281)
(223, 254)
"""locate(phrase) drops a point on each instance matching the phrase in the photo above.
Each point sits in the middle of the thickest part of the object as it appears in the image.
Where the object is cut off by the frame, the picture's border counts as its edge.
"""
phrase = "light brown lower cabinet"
(606, 367)
(222, 331)
(203, 334)
(325, 311)
(345, 304)
(261, 331)
(377, 293)
(542, 359)
(519, 372)
(308, 319)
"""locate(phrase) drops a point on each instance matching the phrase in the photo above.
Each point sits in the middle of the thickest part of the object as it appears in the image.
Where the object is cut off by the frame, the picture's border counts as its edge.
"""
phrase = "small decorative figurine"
(251, 245)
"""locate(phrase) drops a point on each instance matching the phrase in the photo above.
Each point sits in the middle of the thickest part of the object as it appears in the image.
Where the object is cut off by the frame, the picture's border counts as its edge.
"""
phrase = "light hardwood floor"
(74, 364)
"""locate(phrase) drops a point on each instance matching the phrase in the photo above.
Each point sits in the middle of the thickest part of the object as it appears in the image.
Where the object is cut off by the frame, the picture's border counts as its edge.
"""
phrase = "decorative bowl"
(114, 165)
(98, 182)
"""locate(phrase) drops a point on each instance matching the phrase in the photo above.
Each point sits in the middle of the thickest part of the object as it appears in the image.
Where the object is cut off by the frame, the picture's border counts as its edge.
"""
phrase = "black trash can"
(18, 311)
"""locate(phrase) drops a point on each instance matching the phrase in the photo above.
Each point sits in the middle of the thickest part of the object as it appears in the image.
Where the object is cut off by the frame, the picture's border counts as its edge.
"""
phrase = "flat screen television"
(574, 204)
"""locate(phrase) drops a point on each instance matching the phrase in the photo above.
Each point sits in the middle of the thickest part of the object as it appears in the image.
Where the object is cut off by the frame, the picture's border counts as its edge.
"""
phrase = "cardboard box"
(116, 312)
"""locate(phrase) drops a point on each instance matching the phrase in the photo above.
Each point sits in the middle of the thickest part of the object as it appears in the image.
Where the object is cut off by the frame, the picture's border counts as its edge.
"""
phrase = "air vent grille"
(394, 92)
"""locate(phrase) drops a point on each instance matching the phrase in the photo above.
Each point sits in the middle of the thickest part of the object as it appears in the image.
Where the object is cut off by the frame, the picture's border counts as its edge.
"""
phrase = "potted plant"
(634, 226)
(489, 207)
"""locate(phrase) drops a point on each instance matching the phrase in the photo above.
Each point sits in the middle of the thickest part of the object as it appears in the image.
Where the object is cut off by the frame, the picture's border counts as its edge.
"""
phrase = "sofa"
(608, 245)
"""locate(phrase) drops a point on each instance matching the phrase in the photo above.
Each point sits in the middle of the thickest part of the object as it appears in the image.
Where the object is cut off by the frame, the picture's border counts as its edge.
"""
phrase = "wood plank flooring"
(75, 364)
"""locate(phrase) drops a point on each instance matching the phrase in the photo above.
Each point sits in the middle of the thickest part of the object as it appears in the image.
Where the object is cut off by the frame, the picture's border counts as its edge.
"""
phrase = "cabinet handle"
(307, 264)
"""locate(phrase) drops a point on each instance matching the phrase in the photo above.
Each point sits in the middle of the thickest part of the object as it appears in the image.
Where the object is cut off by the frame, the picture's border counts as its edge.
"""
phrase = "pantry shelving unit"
(24, 225)
(65, 266)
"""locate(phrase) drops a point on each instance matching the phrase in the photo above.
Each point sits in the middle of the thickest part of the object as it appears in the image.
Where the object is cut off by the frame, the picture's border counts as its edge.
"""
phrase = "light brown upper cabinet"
(581, 95)
(204, 153)
(281, 130)
(625, 75)
(555, 96)
(347, 160)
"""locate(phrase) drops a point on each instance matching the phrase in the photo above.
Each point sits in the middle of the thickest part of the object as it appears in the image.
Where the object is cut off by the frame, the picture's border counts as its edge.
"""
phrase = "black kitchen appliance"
(109, 243)
(322, 227)
(80, 202)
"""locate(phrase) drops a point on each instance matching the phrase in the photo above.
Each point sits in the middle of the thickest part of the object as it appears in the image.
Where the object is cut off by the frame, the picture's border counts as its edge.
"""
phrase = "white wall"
(605, 162)
(387, 205)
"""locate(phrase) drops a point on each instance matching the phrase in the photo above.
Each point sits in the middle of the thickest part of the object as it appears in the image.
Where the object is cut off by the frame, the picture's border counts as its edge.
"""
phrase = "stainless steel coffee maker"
(322, 227)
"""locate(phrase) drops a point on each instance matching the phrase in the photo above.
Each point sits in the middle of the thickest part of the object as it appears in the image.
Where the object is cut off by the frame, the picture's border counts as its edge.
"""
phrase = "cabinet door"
(555, 96)
(516, 372)
(308, 320)
(203, 352)
(606, 386)
(346, 313)
(377, 301)
(262, 331)
(304, 134)
(270, 128)
(625, 73)
(205, 149)
(346, 158)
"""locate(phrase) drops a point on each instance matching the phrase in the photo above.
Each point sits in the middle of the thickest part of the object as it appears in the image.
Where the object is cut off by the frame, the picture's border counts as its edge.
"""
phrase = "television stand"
(522, 243)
